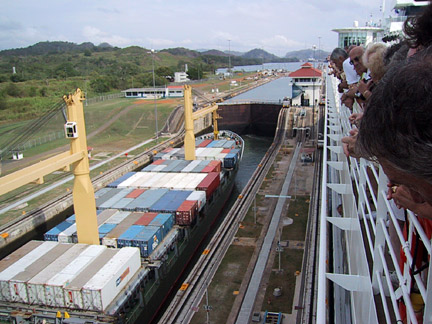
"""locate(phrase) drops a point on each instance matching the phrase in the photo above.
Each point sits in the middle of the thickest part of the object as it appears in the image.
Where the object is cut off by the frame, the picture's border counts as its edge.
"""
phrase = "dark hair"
(397, 123)
(396, 53)
(338, 52)
(418, 29)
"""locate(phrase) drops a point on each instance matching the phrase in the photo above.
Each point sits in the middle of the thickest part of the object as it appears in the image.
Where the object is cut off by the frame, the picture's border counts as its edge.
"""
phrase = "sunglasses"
(356, 59)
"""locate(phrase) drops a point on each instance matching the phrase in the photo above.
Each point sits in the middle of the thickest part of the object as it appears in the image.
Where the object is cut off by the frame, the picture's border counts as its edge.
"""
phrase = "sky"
(276, 26)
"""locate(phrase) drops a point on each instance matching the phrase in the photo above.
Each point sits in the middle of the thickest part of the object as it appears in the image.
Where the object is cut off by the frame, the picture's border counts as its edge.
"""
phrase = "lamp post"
(152, 52)
(313, 96)
(229, 63)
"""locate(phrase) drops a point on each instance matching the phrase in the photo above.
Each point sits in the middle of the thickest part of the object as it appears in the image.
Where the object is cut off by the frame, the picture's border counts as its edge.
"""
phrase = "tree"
(100, 84)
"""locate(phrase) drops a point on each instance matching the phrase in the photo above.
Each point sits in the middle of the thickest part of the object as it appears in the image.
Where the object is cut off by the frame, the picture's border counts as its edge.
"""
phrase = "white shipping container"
(155, 178)
(117, 217)
(36, 285)
(72, 292)
(54, 292)
(129, 180)
(160, 183)
(21, 265)
(195, 181)
(67, 235)
(140, 182)
(191, 166)
(107, 283)
(159, 168)
(18, 284)
(176, 178)
(199, 196)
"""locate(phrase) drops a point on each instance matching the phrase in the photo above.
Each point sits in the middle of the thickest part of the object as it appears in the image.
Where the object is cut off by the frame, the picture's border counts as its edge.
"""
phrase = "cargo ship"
(150, 224)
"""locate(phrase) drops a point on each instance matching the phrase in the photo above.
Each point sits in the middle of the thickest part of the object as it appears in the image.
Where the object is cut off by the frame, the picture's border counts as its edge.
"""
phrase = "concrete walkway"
(254, 283)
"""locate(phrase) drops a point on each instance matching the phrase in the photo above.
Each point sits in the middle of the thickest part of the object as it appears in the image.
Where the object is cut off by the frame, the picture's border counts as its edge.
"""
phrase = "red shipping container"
(135, 193)
(213, 166)
(209, 183)
(226, 150)
(146, 219)
(204, 143)
(158, 162)
(186, 213)
(168, 149)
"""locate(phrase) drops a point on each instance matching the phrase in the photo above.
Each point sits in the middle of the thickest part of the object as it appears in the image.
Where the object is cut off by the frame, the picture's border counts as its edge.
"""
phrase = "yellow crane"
(83, 192)
(190, 116)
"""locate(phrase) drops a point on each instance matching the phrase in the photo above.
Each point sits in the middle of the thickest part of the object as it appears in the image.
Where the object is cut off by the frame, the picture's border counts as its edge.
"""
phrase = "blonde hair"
(373, 60)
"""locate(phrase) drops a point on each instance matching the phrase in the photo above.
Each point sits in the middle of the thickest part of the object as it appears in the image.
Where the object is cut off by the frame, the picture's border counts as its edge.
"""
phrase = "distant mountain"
(258, 53)
(181, 51)
(57, 47)
(235, 53)
(304, 55)
(214, 52)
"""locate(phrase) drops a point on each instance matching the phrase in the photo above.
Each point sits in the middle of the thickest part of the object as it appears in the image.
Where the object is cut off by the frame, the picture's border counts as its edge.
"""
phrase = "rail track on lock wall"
(186, 301)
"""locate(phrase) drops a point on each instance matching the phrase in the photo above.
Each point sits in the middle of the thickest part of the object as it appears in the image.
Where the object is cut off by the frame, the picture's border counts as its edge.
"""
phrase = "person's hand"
(349, 142)
(355, 118)
(403, 198)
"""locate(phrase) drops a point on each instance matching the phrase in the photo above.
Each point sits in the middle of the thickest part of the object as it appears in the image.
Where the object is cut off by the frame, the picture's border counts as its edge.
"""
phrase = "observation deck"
(362, 277)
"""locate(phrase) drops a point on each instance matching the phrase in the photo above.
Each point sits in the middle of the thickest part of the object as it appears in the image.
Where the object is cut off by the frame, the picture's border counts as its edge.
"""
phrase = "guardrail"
(370, 280)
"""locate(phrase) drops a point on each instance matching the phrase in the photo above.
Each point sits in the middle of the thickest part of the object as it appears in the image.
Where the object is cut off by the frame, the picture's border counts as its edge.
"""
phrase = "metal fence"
(373, 251)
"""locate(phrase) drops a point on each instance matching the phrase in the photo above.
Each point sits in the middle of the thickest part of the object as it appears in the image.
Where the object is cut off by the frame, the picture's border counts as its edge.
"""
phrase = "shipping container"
(126, 183)
(186, 213)
(52, 234)
(135, 193)
(36, 285)
(107, 283)
(181, 166)
(192, 165)
(146, 219)
(148, 239)
(126, 239)
(17, 284)
(101, 192)
(18, 254)
(140, 182)
(147, 199)
(154, 179)
(122, 203)
(200, 197)
(110, 239)
(124, 177)
(198, 141)
(157, 162)
(118, 217)
(229, 144)
(107, 195)
(54, 292)
(230, 161)
(210, 183)
(72, 291)
(170, 202)
(200, 167)
(170, 165)
(164, 221)
(175, 179)
(204, 143)
(106, 228)
(110, 202)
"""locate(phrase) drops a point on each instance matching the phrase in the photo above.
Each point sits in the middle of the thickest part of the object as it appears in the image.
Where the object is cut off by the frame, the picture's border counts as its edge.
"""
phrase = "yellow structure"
(190, 116)
(83, 193)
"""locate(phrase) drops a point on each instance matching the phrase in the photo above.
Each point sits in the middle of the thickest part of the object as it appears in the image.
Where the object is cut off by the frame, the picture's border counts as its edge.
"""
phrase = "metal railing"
(369, 281)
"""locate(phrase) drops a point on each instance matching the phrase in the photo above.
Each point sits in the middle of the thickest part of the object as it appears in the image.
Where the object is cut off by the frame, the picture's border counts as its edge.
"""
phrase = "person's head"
(396, 126)
(373, 60)
(418, 29)
(338, 56)
(355, 56)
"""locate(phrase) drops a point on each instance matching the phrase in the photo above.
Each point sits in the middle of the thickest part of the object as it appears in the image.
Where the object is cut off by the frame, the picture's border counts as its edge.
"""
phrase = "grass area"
(298, 210)
(226, 281)
(291, 261)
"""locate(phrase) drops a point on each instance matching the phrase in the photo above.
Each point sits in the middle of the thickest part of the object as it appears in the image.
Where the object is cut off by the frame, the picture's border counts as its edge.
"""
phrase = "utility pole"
(154, 95)
(229, 62)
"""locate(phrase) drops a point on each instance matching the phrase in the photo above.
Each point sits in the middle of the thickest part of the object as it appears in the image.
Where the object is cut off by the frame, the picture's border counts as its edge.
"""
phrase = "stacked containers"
(72, 292)
(105, 285)
(54, 293)
(18, 284)
(36, 285)
(110, 239)
(146, 200)
(170, 202)
(200, 197)
(146, 238)
(164, 221)
(116, 182)
(53, 233)
(209, 184)
(186, 213)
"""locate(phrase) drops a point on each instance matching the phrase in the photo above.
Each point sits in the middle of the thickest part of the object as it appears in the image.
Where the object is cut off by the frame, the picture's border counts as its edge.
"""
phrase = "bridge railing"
(375, 249)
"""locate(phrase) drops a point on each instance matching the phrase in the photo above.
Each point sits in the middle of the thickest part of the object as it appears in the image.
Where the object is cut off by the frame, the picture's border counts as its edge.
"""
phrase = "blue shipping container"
(146, 199)
(106, 228)
(148, 239)
(171, 201)
(165, 221)
(52, 234)
(115, 183)
(126, 239)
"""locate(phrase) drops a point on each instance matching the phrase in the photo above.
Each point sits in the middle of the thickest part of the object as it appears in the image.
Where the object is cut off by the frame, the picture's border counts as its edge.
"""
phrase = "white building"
(158, 92)
(180, 77)
(306, 83)
(358, 35)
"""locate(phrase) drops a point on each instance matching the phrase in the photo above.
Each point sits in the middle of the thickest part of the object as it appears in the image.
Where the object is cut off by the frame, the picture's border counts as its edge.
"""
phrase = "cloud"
(95, 35)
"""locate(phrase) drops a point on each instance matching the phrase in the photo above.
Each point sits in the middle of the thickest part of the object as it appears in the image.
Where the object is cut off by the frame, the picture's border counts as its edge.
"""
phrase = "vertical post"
(189, 141)
(154, 96)
(83, 192)
(207, 307)
(255, 209)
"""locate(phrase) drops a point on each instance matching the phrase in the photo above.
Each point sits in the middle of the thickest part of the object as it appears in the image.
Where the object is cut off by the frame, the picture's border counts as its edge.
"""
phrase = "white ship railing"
(362, 264)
